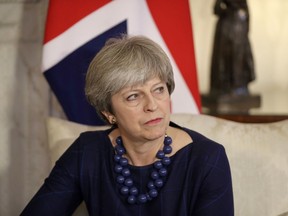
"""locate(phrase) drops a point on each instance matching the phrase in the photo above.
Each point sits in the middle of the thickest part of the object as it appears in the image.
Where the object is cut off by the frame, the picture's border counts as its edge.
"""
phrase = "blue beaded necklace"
(125, 181)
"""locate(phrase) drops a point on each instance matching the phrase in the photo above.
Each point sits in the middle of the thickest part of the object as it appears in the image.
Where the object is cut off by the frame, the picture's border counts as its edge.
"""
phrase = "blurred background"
(26, 100)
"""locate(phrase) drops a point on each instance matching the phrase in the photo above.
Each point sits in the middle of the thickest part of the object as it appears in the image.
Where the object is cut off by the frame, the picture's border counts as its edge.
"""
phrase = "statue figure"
(232, 65)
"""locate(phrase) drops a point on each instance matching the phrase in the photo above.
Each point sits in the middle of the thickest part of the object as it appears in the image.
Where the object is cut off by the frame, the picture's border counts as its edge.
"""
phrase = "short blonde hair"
(123, 62)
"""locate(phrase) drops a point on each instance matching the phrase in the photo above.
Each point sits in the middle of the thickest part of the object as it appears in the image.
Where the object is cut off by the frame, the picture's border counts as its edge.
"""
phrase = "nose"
(150, 104)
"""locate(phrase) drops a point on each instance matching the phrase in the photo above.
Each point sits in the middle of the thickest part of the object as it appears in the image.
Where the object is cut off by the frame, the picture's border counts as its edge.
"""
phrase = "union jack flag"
(76, 30)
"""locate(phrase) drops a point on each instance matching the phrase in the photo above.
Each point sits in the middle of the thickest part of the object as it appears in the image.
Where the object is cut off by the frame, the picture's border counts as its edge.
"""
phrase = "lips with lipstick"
(154, 121)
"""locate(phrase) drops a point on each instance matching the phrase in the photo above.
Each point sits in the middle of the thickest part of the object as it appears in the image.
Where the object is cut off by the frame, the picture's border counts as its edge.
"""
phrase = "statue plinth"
(230, 103)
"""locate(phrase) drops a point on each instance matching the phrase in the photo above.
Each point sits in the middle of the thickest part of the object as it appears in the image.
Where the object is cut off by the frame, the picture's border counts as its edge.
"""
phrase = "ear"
(110, 117)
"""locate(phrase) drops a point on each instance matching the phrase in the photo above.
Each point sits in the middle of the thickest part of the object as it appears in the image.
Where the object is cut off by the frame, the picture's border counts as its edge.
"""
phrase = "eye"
(132, 97)
(160, 89)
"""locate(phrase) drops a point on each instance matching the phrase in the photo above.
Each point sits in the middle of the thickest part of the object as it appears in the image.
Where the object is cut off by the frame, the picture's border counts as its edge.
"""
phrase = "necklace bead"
(159, 183)
(153, 193)
(142, 198)
(154, 175)
(118, 168)
(163, 172)
(160, 154)
(167, 149)
(128, 182)
(123, 161)
(151, 185)
(117, 158)
(120, 150)
(126, 172)
(166, 160)
(167, 140)
(125, 181)
(131, 199)
(158, 164)
(124, 190)
(133, 191)
(120, 179)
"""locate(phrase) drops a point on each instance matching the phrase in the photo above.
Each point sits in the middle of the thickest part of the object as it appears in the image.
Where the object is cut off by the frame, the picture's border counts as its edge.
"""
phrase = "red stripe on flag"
(174, 22)
(62, 14)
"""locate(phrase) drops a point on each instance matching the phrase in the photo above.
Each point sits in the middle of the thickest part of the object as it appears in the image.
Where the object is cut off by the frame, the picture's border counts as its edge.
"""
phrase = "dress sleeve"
(216, 194)
(60, 194)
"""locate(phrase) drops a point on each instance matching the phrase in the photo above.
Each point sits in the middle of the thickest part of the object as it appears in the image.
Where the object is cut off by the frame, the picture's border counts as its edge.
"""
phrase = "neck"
(142, 154)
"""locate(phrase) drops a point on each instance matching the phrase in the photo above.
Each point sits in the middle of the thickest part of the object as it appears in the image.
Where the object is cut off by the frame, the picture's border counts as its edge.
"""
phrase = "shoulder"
(89, 142)
(92, 135)
(207, 149)
(204, 157)
(208, 154)
(91, 138)
(90, 146)
(202, 150)
(195, 140)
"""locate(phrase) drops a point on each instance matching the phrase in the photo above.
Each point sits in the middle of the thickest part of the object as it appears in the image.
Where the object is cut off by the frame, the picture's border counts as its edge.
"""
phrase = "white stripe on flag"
(87, 28)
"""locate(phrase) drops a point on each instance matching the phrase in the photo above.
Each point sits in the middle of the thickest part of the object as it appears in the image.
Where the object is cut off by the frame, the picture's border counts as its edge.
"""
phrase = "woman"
(144, 164)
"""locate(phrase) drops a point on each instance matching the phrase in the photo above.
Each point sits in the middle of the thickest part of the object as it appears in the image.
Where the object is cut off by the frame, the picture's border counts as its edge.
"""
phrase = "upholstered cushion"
(62, 133)
(258, 155)
(284, 214)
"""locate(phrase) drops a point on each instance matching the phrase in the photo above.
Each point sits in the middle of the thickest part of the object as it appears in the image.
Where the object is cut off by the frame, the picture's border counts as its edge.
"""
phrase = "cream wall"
(24, 104)
(269, 39)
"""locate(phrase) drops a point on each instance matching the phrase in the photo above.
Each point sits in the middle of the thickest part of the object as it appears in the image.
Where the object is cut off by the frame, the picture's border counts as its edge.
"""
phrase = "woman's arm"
(216, 195)
(60, 194)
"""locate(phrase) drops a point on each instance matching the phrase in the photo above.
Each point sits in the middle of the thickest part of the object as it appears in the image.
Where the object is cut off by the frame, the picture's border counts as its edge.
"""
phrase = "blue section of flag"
(67, 78)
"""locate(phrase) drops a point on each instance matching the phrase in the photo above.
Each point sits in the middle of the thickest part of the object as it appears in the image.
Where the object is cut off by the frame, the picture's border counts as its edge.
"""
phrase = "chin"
(157, 134)
(158, 131)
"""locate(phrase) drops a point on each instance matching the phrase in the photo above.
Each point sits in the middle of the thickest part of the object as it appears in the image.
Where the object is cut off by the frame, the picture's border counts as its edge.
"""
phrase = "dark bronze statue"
(232, 65)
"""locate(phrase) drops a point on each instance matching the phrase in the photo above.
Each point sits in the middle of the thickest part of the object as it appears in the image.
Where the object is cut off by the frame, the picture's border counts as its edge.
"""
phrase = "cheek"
(126, 115)
(167, 104)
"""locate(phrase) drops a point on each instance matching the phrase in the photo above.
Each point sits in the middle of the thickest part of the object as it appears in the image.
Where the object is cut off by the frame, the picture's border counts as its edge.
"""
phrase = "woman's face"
(142, 111)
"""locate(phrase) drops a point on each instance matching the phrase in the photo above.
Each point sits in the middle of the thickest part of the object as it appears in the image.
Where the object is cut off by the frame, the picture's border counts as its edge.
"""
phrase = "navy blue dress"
(198, 183)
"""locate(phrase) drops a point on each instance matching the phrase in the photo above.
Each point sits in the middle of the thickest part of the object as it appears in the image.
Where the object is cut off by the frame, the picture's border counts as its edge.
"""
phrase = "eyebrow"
(134, 87)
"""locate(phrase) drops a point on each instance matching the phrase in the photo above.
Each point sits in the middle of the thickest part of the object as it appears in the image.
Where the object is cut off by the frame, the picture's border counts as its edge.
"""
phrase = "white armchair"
(258, 155)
